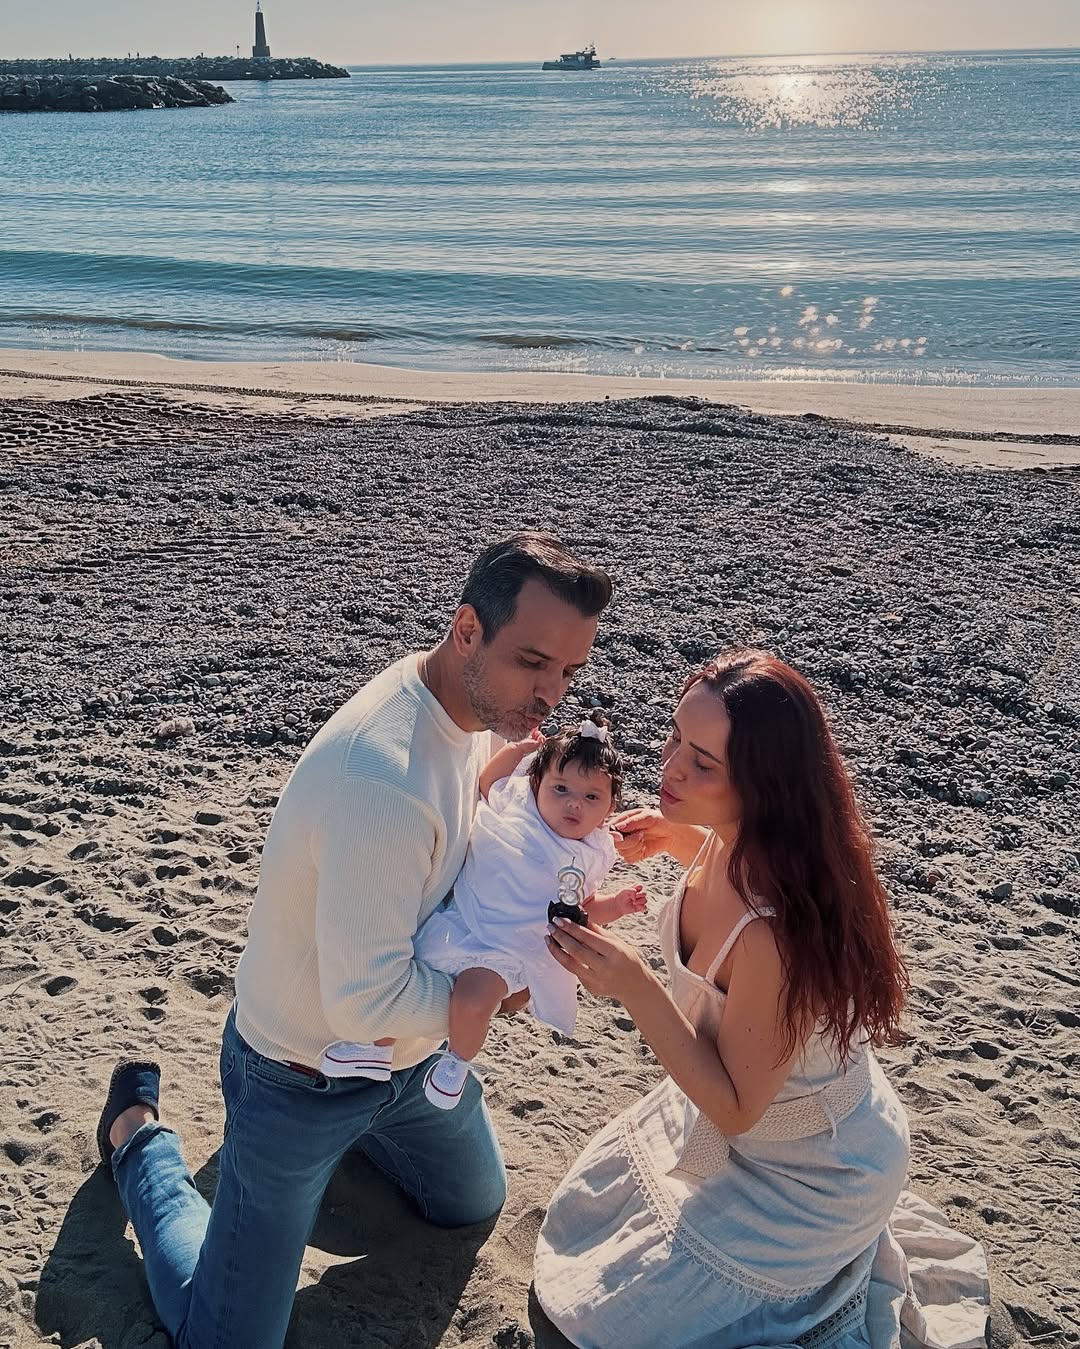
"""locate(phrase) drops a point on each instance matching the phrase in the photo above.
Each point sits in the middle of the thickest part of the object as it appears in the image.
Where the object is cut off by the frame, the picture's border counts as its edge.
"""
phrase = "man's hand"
(514, 1003)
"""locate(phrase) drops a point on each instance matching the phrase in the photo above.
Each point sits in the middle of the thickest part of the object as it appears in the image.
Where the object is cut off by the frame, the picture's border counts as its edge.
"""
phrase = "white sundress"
(666, 1234)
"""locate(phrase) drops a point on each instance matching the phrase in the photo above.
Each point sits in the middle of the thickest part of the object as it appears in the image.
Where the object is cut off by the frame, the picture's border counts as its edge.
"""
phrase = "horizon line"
(749, 56)
(622, 60)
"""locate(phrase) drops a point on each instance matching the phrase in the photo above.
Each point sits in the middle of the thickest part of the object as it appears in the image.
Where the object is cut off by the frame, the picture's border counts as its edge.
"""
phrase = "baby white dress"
(496, 917)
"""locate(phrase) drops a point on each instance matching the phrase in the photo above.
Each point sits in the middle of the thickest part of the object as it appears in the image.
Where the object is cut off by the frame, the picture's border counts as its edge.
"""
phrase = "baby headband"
(589, 730)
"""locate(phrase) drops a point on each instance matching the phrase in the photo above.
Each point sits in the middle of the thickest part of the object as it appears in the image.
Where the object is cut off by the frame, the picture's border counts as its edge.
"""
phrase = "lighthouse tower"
(260, 51)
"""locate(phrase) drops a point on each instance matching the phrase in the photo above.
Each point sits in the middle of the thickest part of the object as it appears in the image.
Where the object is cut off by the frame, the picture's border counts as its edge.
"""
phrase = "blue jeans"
(224, 1277)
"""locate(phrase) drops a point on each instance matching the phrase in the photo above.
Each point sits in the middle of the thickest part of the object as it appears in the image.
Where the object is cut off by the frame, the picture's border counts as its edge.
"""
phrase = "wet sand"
(994, 428)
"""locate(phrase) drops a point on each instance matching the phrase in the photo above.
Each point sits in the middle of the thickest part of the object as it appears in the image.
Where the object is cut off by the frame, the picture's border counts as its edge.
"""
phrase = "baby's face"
(575, 801)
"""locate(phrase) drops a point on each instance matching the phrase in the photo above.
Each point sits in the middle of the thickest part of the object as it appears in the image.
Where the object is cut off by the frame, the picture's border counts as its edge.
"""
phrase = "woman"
(741, 1203)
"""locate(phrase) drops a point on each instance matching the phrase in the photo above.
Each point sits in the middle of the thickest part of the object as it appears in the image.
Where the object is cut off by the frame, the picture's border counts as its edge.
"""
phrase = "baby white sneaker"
(445, 1081)
(343, 1059)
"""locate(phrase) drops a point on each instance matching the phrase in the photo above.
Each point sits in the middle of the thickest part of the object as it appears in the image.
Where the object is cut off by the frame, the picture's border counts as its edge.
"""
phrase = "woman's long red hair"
(804, 850)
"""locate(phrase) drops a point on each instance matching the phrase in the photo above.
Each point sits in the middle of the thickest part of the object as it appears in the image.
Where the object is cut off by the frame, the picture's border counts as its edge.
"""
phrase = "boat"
(583, 60)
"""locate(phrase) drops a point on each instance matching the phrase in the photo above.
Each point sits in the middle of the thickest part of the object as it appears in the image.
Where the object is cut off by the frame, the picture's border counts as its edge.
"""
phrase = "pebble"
(174, 727)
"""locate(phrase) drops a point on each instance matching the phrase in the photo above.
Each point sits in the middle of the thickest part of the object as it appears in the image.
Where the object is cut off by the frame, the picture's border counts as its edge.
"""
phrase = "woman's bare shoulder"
(757, 947)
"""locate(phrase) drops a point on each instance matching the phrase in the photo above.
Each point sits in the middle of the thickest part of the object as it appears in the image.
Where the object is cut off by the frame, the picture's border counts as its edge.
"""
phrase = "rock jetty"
(183, 68)
(115, 93)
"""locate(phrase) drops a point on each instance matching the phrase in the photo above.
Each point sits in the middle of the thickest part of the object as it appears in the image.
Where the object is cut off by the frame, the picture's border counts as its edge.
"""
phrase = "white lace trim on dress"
(839, 1323)
(690, 1242)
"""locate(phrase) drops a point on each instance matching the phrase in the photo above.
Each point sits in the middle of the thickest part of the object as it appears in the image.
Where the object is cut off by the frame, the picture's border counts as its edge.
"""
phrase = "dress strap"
(736, 932)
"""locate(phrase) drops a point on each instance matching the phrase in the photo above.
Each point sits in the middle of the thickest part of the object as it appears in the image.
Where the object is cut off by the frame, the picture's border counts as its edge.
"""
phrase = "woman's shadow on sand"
(398, 1280)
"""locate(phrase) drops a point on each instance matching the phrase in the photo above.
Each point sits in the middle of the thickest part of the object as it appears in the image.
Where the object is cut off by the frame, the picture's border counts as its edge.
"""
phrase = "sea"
(901, 218)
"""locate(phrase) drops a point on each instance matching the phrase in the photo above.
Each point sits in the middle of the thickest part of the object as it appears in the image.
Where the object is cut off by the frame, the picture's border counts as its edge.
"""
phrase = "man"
(366, 841)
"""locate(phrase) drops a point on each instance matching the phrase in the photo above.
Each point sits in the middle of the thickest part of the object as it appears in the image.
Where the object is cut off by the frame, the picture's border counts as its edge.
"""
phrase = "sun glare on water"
(847, 92)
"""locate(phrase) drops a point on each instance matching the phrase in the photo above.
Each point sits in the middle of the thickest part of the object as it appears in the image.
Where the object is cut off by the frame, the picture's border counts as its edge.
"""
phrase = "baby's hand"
(605, 909)
(631, 900)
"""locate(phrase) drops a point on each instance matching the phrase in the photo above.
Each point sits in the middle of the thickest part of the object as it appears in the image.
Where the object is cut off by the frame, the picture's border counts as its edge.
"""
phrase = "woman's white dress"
(666, 1234)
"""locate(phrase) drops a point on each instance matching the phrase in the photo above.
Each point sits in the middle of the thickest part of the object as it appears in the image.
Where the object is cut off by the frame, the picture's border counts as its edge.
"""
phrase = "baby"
(538, 836)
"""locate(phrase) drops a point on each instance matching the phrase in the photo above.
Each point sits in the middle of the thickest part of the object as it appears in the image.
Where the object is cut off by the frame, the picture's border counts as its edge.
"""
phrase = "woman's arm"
(733, 1079)
(503, 762)
(685, 842)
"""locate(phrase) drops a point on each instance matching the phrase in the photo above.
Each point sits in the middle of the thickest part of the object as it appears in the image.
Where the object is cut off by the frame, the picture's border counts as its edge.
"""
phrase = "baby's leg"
(475, 999)
(477, 996)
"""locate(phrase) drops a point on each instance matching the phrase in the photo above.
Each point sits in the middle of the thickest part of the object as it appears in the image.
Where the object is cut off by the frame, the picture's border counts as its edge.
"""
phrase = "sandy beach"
(200, 561)
(990, 427)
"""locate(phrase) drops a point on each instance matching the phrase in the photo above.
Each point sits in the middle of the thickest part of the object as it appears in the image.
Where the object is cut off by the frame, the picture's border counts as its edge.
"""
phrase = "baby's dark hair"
(570, 746)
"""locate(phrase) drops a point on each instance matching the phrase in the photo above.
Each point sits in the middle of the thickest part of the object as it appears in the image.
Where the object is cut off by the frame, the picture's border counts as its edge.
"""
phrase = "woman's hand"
(645, 832)
(640, 833)
(604, 964)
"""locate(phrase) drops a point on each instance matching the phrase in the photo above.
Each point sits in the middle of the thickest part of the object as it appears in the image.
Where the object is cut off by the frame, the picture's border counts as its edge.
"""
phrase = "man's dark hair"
(496, 577)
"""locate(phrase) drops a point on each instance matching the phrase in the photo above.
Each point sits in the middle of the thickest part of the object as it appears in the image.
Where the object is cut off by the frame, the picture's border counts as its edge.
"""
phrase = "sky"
(432, 31)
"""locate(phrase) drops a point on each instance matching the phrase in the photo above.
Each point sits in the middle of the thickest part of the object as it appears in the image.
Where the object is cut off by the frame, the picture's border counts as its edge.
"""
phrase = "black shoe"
(134, 1082)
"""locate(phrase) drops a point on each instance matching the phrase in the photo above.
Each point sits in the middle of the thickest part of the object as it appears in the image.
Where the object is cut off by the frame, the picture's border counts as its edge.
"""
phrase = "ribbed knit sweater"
(366, 841)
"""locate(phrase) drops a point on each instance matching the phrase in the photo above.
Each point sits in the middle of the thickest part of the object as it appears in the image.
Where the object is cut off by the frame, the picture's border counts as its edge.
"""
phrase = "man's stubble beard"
(509, 723)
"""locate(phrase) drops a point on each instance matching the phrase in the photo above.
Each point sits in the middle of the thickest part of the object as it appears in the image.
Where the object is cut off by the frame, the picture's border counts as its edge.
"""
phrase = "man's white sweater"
(366, 841)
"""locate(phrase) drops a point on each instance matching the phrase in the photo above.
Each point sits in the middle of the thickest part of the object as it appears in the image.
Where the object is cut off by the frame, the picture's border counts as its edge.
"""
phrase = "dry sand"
(993, 428)
(162, 561)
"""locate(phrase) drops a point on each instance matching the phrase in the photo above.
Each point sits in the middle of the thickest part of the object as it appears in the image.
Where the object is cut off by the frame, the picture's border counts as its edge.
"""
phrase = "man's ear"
(467, 631)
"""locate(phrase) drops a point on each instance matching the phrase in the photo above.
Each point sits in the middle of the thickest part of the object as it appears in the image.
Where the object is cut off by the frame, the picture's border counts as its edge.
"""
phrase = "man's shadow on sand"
(399, 1281)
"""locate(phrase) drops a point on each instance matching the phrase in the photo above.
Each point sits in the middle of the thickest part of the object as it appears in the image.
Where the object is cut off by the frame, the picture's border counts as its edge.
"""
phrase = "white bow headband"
(588, 730)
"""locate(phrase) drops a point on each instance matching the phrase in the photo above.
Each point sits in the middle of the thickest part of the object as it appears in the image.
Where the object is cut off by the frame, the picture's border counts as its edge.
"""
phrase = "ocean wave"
(530, 340)
(217, 327)
(147, 272)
